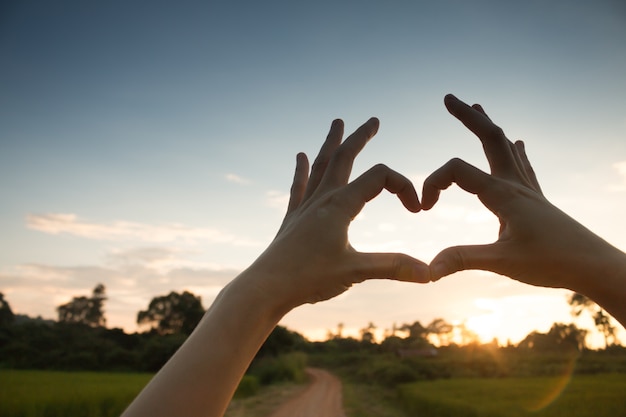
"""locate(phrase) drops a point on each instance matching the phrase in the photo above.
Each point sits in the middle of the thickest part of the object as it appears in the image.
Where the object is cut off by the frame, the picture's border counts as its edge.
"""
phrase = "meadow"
(596, 395)
(91, 394)
(62, 394)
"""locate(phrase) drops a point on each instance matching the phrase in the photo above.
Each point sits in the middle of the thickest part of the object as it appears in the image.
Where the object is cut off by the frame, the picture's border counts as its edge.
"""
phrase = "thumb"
(396, 266)
(461, 258)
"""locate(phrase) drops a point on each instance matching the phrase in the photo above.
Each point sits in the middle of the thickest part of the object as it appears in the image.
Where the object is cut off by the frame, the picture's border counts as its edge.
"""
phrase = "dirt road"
(321, 398)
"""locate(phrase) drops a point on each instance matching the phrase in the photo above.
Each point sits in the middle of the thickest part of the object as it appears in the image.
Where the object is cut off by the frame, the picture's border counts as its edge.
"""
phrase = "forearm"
(200, 379)
(604, 280)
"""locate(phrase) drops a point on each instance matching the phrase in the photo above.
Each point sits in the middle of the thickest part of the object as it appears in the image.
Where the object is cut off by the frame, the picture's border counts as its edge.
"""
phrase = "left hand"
(311, 258)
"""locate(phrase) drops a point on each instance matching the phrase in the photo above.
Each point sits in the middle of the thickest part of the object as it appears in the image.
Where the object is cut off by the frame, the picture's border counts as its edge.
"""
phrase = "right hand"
(537, 243)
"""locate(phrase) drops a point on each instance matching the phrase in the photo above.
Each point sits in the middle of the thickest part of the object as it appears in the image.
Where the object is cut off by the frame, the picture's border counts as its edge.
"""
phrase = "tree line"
(80, 340)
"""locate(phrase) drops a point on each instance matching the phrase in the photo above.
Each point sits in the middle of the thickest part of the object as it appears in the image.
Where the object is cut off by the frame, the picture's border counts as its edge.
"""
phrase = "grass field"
(63, 394)
(601, 395)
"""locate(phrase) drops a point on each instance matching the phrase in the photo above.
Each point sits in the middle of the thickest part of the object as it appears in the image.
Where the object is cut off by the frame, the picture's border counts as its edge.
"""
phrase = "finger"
(527, 167)
(332, 142)
(495, 143)
(514, 151)
(481, 110)
(372, 182)
(466, 176)
(461, 258)
(396, 266)
(340, 165)
(299, 184)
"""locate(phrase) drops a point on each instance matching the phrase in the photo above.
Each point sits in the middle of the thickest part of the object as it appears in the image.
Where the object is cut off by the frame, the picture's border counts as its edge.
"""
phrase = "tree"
(367, 333)
(417, 334)
(559, 337)
(85, 310)
(173, 313)
(6, 314)
(441, 329)
(602, 321)
(466, 335)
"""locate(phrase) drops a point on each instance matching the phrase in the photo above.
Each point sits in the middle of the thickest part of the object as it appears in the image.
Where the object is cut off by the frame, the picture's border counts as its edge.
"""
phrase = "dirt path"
(321, 398)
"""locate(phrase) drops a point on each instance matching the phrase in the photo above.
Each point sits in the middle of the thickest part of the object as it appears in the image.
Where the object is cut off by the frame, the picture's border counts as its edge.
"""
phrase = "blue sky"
(150, 146)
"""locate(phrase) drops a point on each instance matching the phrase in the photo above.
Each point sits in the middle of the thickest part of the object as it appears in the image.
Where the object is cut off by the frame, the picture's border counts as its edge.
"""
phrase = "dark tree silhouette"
(417, 334)
(367, 333)
(173, 313)
(441, 329)
(602, 321)
(559, 337)
(85, 310)
(6, 314)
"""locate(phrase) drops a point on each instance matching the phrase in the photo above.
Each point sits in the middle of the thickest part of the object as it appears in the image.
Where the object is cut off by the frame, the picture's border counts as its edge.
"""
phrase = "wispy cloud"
(620, 167)
(277, 199)
(71, 224)
(37, 289)
(237, 179)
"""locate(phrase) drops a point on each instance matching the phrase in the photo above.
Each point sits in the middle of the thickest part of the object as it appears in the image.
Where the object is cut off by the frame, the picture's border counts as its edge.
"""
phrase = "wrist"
(257, 289)
(605, 282)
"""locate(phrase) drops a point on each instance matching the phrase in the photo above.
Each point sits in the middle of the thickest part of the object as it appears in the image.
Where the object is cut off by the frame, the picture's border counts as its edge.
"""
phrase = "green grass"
(363, 400)
(583, 396)
(56, 394)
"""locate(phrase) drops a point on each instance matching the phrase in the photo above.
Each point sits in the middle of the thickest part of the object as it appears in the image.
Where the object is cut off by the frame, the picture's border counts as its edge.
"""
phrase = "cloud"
(620, 167)
(237, 179)
(277, 199)
(37, 289)
(71, 224)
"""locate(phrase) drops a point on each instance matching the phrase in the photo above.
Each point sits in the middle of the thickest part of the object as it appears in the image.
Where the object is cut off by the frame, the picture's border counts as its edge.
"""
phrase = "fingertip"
(375, 122)
(430, 195)
(450, 98)
(301, 159)
(420, 273)
(415, 207)
(437, 270)
(414, 271)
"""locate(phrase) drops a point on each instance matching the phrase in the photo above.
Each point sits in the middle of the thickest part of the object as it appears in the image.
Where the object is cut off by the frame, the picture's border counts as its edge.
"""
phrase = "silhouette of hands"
(311, 258)
(537, 243)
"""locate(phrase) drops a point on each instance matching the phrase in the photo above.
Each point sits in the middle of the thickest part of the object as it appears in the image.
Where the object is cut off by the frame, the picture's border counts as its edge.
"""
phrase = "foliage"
(248, 386)
(559, 337)
(173, 313)
(6, 314)
(61, 394)
(580, 303)
(582, 396)
(288, 367)
(282, 340)
(85, 310)
(441, 330)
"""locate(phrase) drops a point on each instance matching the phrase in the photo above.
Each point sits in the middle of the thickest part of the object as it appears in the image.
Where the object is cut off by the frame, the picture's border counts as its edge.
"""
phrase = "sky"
(150, 146)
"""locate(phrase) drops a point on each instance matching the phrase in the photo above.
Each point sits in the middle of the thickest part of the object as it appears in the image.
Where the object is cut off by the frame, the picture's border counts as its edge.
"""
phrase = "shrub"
(248, 386)
(283, 368)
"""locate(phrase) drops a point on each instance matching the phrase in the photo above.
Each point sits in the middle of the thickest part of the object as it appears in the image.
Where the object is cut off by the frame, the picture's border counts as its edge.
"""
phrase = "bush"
(387, 371)
(284, 368)
(248, 386)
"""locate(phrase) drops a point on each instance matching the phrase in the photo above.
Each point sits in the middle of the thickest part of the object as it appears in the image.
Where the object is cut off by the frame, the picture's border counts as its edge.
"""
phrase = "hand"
(311, 259)
(537, 244)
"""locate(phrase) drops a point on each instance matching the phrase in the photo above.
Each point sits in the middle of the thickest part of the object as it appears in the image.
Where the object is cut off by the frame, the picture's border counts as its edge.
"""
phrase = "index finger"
(340, 166)
(495, 143)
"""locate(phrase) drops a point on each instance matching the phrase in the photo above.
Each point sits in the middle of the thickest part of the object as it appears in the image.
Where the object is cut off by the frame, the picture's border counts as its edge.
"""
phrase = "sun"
(485, 326)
